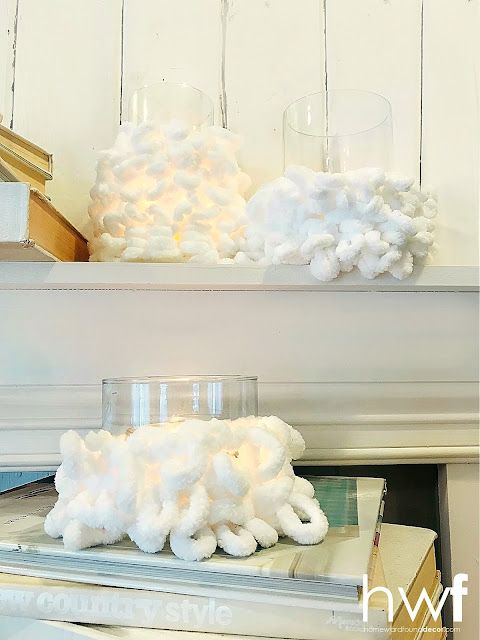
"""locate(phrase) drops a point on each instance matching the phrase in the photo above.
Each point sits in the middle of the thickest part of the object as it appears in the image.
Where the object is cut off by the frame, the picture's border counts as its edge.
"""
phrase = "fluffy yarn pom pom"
(202, 484)
(171, 194)
(365, 219)
(167, 194)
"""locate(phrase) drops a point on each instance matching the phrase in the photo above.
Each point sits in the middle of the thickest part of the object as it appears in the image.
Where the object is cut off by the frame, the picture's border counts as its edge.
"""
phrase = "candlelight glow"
(169, 194)
(182, 481)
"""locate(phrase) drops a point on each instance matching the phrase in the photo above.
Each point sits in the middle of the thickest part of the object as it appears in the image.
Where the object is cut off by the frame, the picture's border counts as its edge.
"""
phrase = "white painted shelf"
(135, 276)
(367, 378)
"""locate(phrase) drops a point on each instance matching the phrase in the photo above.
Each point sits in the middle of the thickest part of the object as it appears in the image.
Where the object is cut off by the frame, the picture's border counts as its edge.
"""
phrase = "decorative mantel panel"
(370, 372)
(342, 423)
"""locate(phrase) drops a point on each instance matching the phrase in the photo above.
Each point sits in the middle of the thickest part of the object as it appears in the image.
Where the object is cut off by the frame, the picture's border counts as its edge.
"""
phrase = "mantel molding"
(369, 371)
(342, 423)
(180, 277)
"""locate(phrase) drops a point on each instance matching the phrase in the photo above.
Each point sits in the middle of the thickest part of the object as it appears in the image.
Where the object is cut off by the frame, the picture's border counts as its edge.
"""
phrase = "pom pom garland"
(201, 484)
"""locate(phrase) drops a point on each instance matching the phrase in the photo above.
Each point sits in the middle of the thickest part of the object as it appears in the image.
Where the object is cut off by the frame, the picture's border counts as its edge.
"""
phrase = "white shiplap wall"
(68, 68)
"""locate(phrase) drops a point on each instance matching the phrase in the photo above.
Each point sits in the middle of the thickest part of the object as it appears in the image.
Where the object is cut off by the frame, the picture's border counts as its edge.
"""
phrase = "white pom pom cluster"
(172, 194)
(365, 218)
(202, 484)
(168, 194)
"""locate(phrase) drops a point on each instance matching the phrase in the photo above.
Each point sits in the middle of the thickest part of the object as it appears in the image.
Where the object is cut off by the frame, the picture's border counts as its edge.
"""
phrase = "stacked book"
(287, 591)
(30, 226)
(23, 161)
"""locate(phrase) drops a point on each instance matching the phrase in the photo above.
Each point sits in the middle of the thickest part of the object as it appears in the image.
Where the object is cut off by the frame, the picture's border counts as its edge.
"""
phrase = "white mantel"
(342, 423)
(370, 371)
(185, 276)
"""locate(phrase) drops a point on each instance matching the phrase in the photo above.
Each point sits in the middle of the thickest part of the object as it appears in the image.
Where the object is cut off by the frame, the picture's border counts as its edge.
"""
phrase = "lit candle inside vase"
(198, 466)
(170, 189)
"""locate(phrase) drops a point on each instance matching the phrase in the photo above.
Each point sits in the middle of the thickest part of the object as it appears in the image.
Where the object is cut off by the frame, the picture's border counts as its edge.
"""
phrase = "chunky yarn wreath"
(201, 484)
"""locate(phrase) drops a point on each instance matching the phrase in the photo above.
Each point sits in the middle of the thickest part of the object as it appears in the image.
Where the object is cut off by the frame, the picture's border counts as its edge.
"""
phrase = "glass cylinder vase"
(129, 403)
(338, 131)
(162, 102)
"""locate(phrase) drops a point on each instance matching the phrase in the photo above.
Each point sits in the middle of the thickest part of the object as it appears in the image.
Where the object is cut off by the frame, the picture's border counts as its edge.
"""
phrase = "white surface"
(376, 45)
(14, 201)
(223, 277)
(274, 55)
(8, 13)
(326, 577)
(22, 629)
(451, 122)
(400, 567)
(172, 40)
(67, 90)
(69, 66)
(72, 337)
(463, 516)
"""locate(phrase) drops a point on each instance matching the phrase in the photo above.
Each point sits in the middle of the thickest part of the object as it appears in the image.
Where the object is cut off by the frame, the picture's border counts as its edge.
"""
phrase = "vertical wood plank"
(67, 89)
(375, 45)
(274, 54)
(8, 21)
(451, 124)
(175, 41)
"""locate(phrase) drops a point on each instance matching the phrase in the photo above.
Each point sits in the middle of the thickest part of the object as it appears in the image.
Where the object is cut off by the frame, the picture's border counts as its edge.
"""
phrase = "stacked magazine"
(287, 591)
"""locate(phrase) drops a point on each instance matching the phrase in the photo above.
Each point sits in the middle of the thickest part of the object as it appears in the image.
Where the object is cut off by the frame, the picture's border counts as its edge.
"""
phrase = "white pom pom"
(176, 130)
(325, 265)
(402, 267)
(187, 180)
(157, 190)
(169, 176)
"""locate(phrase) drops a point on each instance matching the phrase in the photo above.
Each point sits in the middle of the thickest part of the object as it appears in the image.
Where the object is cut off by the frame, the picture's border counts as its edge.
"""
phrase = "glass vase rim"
(170, 83)
(180, 378)
(385, 100)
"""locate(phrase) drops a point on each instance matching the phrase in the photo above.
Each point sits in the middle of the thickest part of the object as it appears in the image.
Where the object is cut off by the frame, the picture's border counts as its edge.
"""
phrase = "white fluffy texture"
(172, 194)
(203, 484)
(168, 194)
(365, 218)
